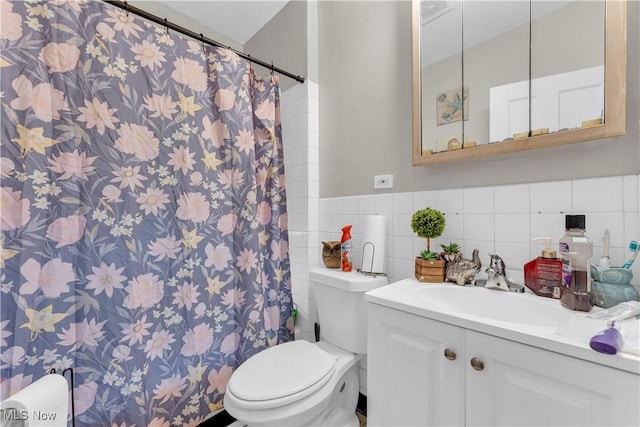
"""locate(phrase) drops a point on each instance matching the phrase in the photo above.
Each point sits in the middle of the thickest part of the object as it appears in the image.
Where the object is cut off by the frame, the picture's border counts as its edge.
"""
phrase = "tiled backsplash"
(501, 219)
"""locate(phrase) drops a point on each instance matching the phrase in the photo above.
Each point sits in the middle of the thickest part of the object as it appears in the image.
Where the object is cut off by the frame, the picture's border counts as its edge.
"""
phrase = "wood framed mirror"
(429, 147)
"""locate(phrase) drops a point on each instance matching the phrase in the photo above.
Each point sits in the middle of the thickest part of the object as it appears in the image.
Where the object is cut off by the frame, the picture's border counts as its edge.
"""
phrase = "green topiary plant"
(428, 223)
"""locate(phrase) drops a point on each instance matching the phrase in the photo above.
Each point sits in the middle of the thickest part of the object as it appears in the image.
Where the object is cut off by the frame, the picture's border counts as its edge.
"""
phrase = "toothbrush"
(605, 260)
(633, 246)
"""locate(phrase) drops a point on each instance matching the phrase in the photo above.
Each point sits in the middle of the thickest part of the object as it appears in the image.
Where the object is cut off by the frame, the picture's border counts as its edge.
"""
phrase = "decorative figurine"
(331, 254)
(463, 271)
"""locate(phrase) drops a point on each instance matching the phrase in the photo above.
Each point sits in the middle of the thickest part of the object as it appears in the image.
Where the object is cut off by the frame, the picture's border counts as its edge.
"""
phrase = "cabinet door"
(410, 381)
(523, 385)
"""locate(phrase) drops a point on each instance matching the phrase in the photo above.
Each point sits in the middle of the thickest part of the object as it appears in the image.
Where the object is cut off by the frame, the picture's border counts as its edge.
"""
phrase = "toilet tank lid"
(288, 369)
(351, 281)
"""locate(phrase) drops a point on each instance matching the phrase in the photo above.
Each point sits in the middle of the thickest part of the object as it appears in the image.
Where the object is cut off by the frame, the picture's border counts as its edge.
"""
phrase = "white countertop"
(403, 296)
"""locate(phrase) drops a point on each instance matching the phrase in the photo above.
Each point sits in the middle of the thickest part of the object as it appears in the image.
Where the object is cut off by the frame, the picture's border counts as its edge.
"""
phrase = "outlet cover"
(383, 181)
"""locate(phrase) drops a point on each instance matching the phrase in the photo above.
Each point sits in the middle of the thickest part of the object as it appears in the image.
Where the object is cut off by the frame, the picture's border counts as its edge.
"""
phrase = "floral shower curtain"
(143, 213)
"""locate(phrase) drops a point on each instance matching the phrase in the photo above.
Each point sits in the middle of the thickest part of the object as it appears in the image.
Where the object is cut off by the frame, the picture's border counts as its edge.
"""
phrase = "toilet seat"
(287, 373)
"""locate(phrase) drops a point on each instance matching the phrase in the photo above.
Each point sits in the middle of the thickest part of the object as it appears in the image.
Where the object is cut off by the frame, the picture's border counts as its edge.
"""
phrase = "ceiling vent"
(431, 9)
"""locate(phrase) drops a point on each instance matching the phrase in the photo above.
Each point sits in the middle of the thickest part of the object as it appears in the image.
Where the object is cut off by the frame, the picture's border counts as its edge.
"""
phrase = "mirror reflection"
(496, 53)
(567, 79)
(441, 70)
(494, 71)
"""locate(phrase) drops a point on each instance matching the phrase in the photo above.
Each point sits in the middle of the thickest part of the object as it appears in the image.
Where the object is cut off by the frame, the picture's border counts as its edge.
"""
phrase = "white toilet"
(299, 383)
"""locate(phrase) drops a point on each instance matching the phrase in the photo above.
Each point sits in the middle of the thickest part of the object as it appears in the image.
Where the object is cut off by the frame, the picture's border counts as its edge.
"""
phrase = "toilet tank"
(341, 307)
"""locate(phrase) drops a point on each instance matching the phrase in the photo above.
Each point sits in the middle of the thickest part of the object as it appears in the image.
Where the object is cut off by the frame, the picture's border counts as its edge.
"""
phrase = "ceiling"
(238, 20)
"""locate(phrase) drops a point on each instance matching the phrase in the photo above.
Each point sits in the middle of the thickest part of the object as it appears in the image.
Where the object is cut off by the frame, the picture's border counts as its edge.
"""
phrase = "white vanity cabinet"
(410, 381)
(430, 373)
(523, 385)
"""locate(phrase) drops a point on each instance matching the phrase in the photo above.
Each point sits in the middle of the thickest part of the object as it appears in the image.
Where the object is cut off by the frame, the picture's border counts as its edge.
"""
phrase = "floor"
(362, 418)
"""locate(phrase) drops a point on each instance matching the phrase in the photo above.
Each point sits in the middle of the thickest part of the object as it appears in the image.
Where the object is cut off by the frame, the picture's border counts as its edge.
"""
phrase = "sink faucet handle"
(497, 264)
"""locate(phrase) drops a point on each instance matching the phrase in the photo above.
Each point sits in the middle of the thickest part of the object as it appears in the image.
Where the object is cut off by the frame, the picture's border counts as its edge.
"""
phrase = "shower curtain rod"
(170, 25)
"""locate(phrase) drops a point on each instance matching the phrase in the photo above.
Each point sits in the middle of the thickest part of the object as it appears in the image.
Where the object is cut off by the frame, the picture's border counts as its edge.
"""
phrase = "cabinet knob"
(450, 354)
(477, 364)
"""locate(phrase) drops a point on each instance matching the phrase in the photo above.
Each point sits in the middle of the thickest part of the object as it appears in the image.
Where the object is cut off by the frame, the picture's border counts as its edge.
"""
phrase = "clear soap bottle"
(575, 249)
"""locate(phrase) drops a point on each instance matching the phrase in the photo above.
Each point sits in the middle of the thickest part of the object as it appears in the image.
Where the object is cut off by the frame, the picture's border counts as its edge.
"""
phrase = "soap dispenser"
(543, 275)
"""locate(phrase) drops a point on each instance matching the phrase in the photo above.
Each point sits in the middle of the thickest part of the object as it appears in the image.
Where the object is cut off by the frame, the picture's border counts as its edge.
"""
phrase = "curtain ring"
(166, 25)
(126, 8)
(202, 42)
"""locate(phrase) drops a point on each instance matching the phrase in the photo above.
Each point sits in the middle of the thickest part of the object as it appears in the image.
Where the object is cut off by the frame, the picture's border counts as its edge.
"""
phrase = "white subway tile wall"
(299, 116)
(498, 219)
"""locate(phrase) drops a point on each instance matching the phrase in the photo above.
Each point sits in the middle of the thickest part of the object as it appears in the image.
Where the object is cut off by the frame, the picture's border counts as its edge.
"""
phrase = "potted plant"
(451, 252)
(429, 223)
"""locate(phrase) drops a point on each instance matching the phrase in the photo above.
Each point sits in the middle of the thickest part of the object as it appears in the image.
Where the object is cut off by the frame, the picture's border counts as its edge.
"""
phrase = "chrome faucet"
(497, 276)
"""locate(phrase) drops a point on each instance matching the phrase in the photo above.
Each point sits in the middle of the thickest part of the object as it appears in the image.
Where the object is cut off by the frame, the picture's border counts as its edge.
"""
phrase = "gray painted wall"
(364, 72)
(283, 40)
(365, 113)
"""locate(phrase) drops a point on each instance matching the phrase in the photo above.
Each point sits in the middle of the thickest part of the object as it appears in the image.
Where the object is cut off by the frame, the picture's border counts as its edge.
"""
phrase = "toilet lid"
(283, 370)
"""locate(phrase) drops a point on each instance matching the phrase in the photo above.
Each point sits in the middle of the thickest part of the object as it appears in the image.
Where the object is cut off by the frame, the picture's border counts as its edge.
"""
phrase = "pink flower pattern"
(159, 342)
(225, 99)
(230, 343)
(231, 178)
(217, 257)
(138, 140)
(59, 57)
(105, 278)
(190, 73)
(218, 379)
(136, 332)
(193, 207)
(144, 236)
(98, 114)
(16, 211)
(70, 164)
(44, 99)
(182, 159)
(52, 278)
(216, 132)
(83, 333)
(186, 296)
(227, 224)
(11, 25)
(67, 230)
(197, 340)
(264, 213)
(144, 291)
(148, 54)
(164, 247)
(160, 105)
(153, 200)
(170, 387)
